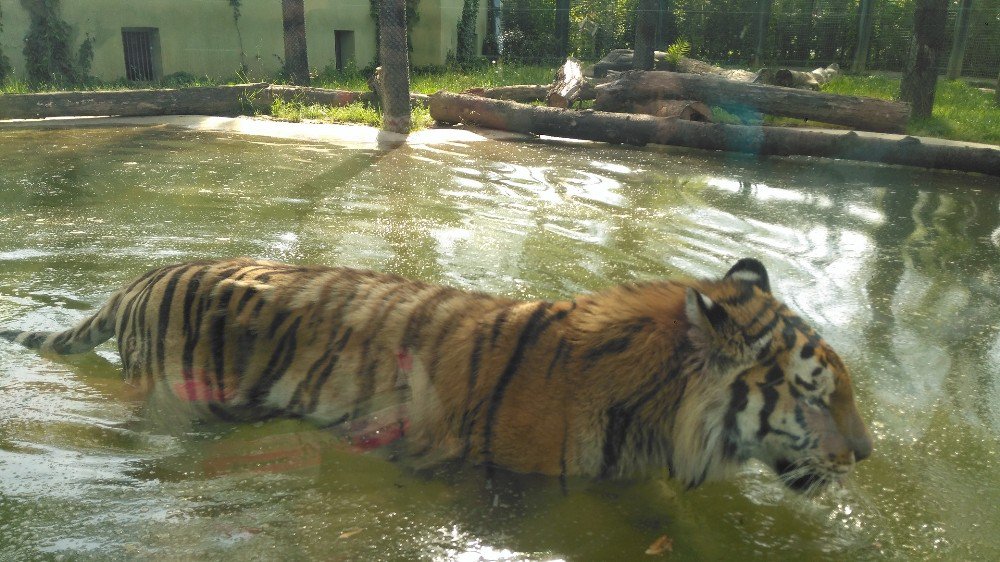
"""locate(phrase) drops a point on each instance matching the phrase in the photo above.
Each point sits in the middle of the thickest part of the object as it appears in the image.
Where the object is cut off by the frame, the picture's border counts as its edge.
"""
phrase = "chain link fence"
(799, 33)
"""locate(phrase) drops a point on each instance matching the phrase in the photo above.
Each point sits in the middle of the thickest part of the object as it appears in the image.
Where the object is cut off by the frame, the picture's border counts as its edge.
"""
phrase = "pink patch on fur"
(379, 437)
(404, 360)
(196, 388)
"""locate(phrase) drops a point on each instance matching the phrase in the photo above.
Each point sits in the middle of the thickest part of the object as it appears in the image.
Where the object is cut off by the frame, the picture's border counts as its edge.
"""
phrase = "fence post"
(864, 36)
(961, 39)
(645, 34)
(562, 29)
(395, 59)
(294, 25)
(763, 19)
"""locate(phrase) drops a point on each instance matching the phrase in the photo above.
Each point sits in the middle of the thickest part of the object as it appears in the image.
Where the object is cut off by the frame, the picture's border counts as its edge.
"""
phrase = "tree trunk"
(395, 78)
(763, 20)
(567, 86)
(562, 28)
(921, 68)
(645, 34)
(642, 129)
(961, 39)
(864, 36)
(296, 60)
(862, 113)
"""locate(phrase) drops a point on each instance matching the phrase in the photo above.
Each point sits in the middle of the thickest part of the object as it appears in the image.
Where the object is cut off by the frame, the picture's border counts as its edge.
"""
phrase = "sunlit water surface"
(897, 268)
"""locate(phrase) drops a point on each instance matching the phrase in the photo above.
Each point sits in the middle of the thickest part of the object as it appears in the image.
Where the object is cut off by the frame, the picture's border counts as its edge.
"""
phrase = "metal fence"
(801, 33)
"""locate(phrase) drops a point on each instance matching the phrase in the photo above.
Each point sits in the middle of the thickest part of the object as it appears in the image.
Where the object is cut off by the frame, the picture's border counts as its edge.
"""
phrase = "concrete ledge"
(348, 136)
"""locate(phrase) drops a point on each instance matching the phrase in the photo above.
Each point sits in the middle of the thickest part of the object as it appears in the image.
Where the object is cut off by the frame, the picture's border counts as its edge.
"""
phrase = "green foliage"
(678, 50)
(597, 26)
(6, 69)
(48, 54)
(961, 112)
(466, 50)
(412, 17)
(357, 113)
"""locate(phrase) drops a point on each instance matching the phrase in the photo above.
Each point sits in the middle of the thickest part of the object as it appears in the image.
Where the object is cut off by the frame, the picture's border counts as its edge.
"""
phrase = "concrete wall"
(200, 37)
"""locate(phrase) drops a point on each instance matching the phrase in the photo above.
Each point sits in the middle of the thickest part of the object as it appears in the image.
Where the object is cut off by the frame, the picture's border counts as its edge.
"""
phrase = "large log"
(214, 100)
(642, 129)
(796, 78)
(867, 114)
(621, 60)
(681, 109)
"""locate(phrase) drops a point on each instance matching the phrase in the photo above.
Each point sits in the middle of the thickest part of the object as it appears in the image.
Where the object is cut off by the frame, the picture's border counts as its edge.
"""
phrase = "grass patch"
(961, 112)
(357, 113)
(295, 112)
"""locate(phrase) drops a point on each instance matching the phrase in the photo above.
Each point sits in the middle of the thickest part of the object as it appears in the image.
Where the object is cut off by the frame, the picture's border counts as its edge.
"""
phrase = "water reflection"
(897, 268)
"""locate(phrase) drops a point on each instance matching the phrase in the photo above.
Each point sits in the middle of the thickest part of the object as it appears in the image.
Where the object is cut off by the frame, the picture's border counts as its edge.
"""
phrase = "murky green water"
(898, 268)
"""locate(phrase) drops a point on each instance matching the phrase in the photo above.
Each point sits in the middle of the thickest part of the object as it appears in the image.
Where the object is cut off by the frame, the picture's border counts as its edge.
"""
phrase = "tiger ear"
(703, 312)
(751, 271)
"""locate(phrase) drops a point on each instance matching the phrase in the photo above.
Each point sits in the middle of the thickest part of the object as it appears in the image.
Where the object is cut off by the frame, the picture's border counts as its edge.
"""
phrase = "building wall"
(199, 36)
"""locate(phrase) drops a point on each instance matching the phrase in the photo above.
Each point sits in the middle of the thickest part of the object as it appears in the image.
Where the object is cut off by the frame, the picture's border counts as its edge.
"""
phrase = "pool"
(898, 268)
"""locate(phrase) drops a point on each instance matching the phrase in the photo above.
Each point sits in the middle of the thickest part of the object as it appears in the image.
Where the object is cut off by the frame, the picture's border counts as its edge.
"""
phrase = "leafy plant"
(412, 16)
(678, 50)
(48, 55)
(6, 69)
(466, 50)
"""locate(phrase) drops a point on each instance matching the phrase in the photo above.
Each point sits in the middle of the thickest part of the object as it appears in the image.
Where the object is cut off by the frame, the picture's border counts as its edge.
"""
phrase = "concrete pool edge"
(347, 135)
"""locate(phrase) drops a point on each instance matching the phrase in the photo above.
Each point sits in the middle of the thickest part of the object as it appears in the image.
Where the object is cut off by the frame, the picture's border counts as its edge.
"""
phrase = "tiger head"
(786, 396)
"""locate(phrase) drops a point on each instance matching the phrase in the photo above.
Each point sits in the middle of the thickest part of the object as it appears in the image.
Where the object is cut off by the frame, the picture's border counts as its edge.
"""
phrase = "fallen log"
(447, 107)
(620, 60)
(681, 109)
(527, 93)
(796, 78)
(210, 100)
(567, 85)
(867, 114)
(523, 93)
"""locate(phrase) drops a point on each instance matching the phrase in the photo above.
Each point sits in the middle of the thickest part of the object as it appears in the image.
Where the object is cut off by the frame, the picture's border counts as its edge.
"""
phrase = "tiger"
(694, 376)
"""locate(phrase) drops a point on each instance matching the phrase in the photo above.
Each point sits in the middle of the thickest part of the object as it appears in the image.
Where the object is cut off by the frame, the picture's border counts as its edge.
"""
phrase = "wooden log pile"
(642, 129)
(868, 114)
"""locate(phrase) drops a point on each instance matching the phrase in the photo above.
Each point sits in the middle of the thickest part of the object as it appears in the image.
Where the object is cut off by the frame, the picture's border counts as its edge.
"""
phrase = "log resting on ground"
(642, 129)
(795, 78)
(620, 60)
(681, 109)
(866, 114)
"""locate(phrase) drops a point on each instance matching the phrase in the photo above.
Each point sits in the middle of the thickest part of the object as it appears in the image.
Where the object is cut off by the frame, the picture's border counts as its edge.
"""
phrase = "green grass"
(356, 113)
(961, 112)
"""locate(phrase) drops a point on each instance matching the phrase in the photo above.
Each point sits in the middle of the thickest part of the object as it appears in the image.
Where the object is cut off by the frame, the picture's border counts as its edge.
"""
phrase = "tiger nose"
(862, 447)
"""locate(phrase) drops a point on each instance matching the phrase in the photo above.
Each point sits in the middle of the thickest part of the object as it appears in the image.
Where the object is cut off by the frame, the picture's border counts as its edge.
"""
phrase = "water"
(898, 268)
